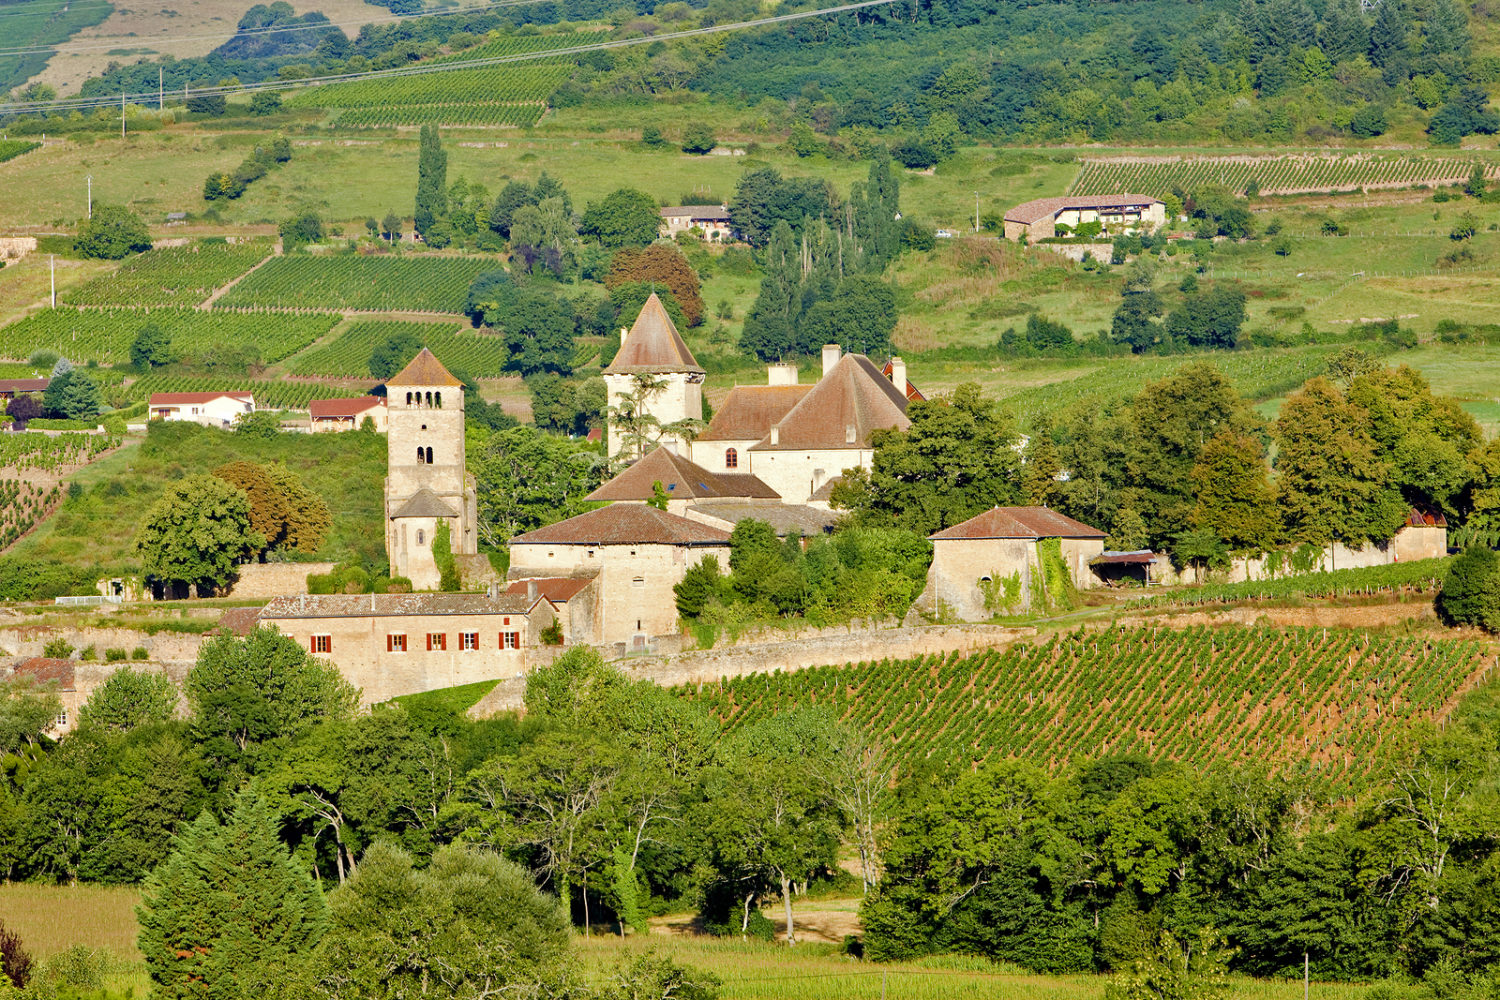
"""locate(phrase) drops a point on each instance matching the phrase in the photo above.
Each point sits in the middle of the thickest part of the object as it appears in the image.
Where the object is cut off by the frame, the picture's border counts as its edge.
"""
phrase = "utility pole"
(122, 114)
(976, 211)
(161, 94)
(1304, 976)
(52, 266)
(90, 179)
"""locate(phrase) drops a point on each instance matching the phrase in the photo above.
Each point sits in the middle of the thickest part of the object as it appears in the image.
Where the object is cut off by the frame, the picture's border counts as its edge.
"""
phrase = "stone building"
(711, 220)
(1116, 213)
(426, 480)
(682, 480)
(993, 563)
(633, 553)
(395, 644)
(331, 415)
(652, 353)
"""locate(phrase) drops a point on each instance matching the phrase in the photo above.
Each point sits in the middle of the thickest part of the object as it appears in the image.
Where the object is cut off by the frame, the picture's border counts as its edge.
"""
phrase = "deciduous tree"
(197, 533)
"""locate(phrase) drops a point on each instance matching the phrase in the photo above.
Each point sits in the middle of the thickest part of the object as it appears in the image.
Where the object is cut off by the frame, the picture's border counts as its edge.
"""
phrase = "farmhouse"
(426, 481)
(633, 553)
(211, 409)
(1043, 217)
(10, 388)
(999, 561)
(330, 415)
(395, 644)
(712, 220)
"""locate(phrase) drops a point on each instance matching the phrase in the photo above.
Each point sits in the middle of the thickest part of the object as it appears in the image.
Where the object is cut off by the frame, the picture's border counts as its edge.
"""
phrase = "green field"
(1339, 700)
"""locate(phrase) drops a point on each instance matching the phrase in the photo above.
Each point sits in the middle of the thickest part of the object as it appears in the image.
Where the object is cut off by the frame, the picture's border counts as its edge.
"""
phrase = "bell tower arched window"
(429, 456)
(421, 456)
(438, 400)
(408, 399)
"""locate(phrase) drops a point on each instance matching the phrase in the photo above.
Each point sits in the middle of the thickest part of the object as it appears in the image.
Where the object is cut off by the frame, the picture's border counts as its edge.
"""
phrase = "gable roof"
(653, 345)
(24, 384)
(682, 479)
(1035, 211)
(853, 395)
(913, 394)
(184, 398)
(238, 621)
(749, 411)
(624, 524)
(392, 605)
(695, 212)
(557, 589)
(48, 670)
(328, 409)
(784, 518)
(425, 503)
(1018, 522)
(424, 369)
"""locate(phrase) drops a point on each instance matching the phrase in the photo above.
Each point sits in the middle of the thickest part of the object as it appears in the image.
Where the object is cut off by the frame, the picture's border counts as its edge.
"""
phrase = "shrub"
(114, 655)
(140, 653)
(57, 649)
(1471, 590)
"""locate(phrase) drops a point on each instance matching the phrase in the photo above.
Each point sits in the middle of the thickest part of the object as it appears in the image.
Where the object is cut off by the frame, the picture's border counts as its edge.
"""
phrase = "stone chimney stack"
(530, 591)
(781, 373)
(830, 357)
(898, 375)
(624, 332)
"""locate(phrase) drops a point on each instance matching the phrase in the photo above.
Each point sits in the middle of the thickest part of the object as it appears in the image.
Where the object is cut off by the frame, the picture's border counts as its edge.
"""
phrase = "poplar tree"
(228, 915)
(432, 181)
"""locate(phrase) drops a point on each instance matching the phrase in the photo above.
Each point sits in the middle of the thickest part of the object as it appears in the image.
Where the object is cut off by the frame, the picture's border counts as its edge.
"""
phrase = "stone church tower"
(426, 481)
(653, 349)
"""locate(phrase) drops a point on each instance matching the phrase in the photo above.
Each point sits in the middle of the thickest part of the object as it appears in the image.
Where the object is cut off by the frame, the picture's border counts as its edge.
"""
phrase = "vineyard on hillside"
(1288, 174)
(12, 148)
(174, 276)
(22, 504)
(31, 466)
(1342, 700)
(105, 335)
(479, 355)
(404, 284)
(275, 394)
(1425, 576)
(507, 94)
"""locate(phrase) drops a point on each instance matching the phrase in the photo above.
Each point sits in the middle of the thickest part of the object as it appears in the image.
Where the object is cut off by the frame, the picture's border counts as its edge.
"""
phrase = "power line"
(22, 107)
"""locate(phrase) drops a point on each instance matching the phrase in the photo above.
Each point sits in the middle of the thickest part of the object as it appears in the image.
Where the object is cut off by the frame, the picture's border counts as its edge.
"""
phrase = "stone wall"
(16, 246)
(163, 647)
(830, 646)
(263, 581)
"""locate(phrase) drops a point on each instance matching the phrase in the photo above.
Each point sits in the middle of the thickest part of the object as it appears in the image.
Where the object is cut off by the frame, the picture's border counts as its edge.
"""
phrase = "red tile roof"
(682, 479)
(855, 397)
(653, 345)
(749, 411)
(424, 370)
(238, 621)
(331, 409)
(185, 398)
(557, 589)
(391, 605)
(1035, 211)
(1018, 522)
(1425, 519)
(624, 524)
(425, 503)
(24, 384)
(48, 670)
(913, 394)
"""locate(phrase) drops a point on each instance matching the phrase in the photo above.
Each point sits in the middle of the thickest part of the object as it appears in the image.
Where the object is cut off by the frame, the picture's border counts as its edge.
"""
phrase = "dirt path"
(208, 303)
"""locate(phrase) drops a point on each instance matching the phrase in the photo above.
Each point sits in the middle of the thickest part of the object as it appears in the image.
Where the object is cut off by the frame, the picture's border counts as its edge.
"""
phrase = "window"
(429, 399)
(421, 536)
(62, 719)
(731, 459)
(408, 399)
(510, 640)
(437, 640)
(421, 456)
(437, 400)
(639, 581)
(429, 456)
(468, 640)
(395, 643)
(507, 620)
(322, 644)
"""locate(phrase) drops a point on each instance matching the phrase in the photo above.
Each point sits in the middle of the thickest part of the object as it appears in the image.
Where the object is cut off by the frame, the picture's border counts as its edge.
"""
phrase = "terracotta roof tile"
(48, 670)
(853, 396)
(682, 479)
(24, 384)
(238, 621)
(327, 409)
(1035, 211)
(557, 589)
(624, 524)
(825, 492)
(181, 398)
(913, 394)
(749, 411)
(783, 517)
(1018, 522)
(425, 503)
(391, 605)
(653, 345)
(424, 370)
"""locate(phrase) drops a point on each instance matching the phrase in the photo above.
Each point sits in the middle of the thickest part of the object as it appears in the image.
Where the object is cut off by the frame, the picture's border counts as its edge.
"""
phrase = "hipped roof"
(425, 503)
(749, 411)
(854, 394)
(1018, 522)
(1035, 211)
(682, 479)
(424, 370)
(653, 345)
(624, 524)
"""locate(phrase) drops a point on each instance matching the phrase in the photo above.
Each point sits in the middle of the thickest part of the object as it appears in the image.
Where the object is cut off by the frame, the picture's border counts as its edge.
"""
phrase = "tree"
(72, 395)
(245, 694)
(659, 264)
(213, 105)
(700, 584)
(394, 353)
(770, 325)
(391, 227)
(625, 217)
(112, 233)
(1208, 319)
(283, 511)
(1176, 970)
(1040, 466)
(528, 479)
(1474, 187)
(955, 461)
(196, 534)
(763, 198)
(468, 926)
(129, 699)
(15, 960)
(699, 138)
(536, 325)
(1135, 321)
(432, 182)
(23, 408)
(265, 102)
(230, 914)
(151, 348)
(300, 230)
(1471, 590)
(1235, 499)
(860, 316)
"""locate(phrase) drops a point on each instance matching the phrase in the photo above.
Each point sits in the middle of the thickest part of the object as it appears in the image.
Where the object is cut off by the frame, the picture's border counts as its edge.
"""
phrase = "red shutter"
(312, 644)
(429, 642)
(329, 643)
(390, 642)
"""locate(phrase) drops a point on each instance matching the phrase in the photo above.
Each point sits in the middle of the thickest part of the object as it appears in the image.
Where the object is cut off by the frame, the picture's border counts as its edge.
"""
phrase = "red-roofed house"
(574, 601)
(993, 563)
(329, 415)
(212, 409)
(10, 388)
(1041, 218)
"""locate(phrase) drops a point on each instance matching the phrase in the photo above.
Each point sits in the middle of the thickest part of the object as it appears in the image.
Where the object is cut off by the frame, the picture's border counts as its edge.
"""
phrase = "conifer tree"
(228, 915)
(432, 181)
(770, 325)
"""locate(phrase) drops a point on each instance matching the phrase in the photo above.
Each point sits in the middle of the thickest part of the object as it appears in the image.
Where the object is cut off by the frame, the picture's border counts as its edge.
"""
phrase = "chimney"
(775, 434)
(623, 334)
(530, 591)
(898, 375)
(830, 358)
(781, 373)
(848, 433)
